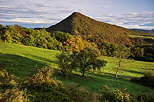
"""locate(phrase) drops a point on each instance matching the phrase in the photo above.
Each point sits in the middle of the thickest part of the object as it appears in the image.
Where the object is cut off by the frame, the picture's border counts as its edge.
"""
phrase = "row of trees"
(69, 43)
(143, 52)
(41, 38)
(26, 36)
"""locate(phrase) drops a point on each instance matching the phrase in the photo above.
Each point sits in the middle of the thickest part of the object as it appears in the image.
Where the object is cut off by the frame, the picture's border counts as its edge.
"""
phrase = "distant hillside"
(79, 24)
(146, 31)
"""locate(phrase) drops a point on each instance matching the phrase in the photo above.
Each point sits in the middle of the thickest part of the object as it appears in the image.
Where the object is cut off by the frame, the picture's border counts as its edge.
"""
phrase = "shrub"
(13, 95)
(147, 80)
(7, 80)
(61, 93)
(144, 98)
(114, 95)
(43, 88)
(10, 88)
(79, 94)
(42, 77)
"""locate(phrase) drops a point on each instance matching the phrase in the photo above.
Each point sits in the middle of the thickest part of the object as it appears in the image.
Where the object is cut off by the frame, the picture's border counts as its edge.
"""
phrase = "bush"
(147, 80)
(79, 94)
(13, 95)
(43, 88)
(10, 88)
(7, 80)
(144, 98)
(42, 77)
(60, 94)
(114, 95)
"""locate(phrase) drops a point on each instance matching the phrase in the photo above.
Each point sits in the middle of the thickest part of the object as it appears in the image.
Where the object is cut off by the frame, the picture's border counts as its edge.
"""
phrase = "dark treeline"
(142, 49)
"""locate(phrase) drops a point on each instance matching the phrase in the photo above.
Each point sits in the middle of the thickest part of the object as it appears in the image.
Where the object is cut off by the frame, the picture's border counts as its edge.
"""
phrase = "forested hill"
(79, 24)
(145, 31)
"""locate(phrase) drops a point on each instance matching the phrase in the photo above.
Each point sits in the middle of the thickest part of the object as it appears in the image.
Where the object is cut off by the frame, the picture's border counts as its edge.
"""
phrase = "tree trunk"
(63, 73)
(116, 75)
(119, 65)
(83, 74)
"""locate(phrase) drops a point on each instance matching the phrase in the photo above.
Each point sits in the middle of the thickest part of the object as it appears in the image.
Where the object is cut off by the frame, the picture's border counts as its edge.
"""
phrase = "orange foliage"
(76, 43)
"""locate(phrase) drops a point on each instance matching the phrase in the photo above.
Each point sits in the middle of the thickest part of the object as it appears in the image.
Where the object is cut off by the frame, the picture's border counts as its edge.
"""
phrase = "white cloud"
(131, 20)
(53, 11)
(139, 27)
(23, 20)
(37, 11)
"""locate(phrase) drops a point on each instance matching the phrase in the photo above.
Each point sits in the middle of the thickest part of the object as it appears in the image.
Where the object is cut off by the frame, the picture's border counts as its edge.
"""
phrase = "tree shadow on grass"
(135, 72)
(95, 81)
(42, 59)
(119, 76)
(18, 65)
(124, 77)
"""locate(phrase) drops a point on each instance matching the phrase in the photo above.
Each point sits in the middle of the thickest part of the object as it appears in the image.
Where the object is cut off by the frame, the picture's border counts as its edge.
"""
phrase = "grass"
(134, 36)
(95, 83)
(20, 60)
(130, 68)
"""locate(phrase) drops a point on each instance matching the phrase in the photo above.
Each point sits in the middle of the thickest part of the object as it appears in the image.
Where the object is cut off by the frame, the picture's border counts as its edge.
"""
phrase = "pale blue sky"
(43, 13)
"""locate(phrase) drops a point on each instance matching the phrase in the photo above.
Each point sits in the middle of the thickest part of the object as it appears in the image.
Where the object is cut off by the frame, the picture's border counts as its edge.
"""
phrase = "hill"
(90, 29)
(20, 60)
(146, 31)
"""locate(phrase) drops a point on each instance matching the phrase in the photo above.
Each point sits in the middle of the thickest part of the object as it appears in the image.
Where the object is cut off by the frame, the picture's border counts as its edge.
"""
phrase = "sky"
(44, 13)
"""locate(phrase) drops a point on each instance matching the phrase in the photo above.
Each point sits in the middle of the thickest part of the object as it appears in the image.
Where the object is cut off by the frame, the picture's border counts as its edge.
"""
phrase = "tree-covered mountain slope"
(90, 29)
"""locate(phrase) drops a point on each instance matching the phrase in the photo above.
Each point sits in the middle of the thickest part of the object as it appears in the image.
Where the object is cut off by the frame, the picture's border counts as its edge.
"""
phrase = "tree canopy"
(83, 61)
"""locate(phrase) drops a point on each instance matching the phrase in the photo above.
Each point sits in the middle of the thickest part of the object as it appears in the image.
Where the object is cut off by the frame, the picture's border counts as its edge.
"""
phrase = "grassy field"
(134, 36)
(20, 60)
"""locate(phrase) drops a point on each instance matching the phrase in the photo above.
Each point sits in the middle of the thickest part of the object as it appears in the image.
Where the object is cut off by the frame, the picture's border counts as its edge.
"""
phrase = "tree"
(86, 60)
(122, 53)
(61, 36)
(64, 62)
(76, 43)
(144, 52)
(107, 49)
(137, 53)
(83, 61)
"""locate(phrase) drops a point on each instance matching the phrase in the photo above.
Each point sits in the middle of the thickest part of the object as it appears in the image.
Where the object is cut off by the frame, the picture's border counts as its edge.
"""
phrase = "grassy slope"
(20, 60)
(140, 36)
(130, 68)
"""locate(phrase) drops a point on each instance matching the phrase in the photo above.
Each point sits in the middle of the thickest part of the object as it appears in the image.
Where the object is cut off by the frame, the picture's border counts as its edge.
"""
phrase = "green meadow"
(21, 60)
(140, 36)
